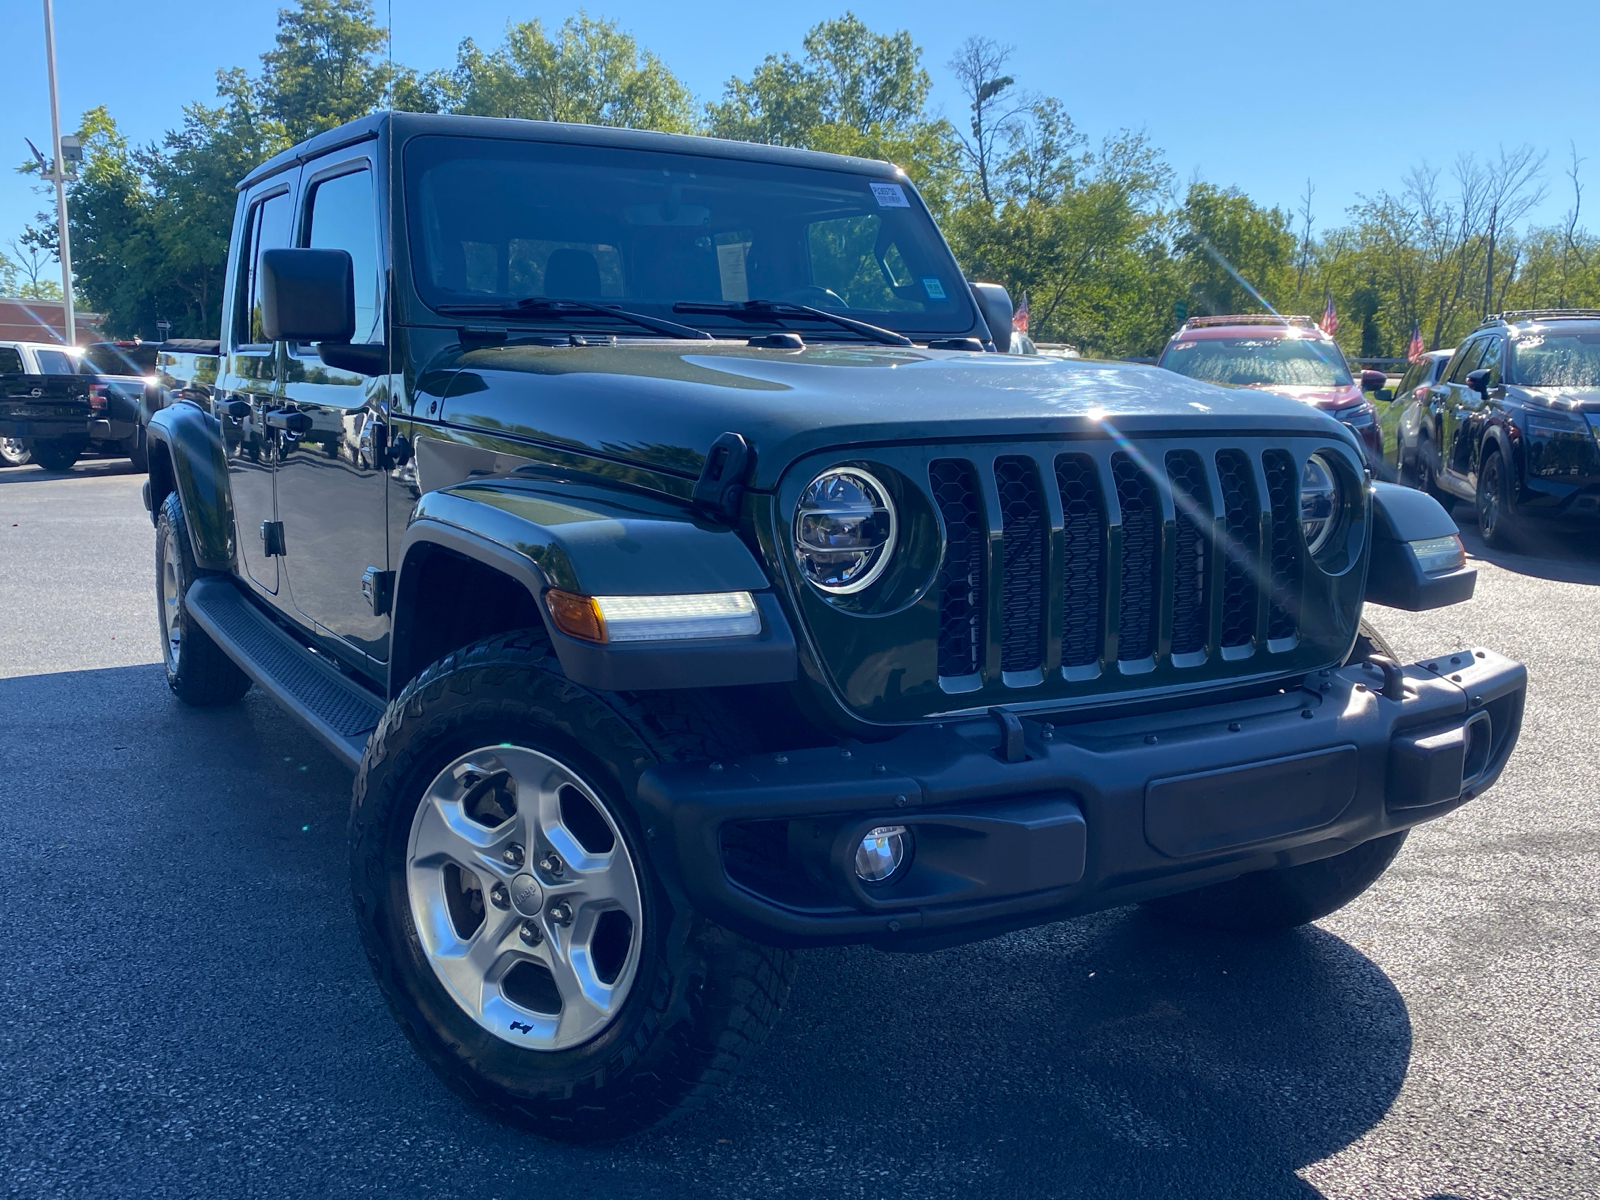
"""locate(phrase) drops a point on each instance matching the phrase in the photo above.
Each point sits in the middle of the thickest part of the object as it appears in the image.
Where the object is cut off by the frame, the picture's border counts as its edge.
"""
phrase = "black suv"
(1514, 423)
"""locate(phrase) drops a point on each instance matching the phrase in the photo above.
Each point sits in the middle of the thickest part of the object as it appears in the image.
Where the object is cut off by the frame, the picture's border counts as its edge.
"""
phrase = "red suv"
(1288, 355)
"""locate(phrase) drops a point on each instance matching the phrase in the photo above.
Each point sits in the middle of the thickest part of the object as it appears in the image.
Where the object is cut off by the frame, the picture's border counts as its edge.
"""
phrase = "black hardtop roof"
(409, 125)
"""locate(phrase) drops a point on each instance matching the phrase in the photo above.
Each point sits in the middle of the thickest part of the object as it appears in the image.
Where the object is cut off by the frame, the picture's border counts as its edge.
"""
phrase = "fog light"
(881, 853)
(1439, 554)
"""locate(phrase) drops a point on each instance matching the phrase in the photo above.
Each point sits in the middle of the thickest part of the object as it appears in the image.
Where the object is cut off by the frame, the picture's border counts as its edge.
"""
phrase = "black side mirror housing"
(1404, 521)
(1384, 394)
(1371, 381)
(1478, 381)
(994, 303)
(308, 295)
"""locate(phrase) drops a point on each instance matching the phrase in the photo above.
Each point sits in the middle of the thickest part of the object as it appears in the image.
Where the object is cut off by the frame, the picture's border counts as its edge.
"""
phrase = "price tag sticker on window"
(890, 195)
(932, 285)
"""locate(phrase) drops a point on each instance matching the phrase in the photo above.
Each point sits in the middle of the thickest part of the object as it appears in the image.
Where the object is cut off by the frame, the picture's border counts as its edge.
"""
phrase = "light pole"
(55, 170)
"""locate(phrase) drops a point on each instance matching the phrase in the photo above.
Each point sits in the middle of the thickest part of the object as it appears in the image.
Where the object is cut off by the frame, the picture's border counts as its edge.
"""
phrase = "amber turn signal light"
(576, 616)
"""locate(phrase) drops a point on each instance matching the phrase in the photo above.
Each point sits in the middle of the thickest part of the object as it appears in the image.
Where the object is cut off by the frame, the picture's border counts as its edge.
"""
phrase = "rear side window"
(107, 358)
(267, 228)
(10, 360)
(1437, 367)
(343, 218)
(56, 362)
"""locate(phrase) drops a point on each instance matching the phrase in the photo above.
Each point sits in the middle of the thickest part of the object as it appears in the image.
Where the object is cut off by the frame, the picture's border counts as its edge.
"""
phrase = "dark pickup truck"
(651, 524)
(40, 412)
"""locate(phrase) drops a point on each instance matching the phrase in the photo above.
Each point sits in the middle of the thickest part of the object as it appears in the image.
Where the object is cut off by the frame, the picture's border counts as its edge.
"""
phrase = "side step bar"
(338, 710)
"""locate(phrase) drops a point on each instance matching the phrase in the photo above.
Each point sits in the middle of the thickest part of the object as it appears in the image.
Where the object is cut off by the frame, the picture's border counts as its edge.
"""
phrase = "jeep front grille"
(1158, 561)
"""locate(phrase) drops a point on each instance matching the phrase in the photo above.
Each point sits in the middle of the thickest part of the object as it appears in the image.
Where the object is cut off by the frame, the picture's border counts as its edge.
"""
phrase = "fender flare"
(187, 456)
(1495, 437)
(597, 540)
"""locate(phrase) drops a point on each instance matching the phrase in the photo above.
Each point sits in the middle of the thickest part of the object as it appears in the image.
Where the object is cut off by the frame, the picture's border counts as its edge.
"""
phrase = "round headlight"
(844, 530)
(1321, 496)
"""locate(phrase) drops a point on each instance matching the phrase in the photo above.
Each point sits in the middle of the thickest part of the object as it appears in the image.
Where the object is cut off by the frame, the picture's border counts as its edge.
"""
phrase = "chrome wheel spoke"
(528, 903)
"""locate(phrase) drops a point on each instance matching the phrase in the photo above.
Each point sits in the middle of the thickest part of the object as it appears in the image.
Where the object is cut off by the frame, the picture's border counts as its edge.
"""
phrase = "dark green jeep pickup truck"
(652, 526)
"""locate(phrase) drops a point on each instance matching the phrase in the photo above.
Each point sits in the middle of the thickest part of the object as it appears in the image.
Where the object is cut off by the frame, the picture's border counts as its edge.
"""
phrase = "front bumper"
(1016, 822)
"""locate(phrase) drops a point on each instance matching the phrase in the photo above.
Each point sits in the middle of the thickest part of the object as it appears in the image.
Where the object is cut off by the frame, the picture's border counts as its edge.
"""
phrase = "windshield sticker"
(934, 288)
(890, 195)
(730, 266)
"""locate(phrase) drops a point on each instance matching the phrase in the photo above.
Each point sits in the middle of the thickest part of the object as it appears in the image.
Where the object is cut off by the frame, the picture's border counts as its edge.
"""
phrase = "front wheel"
(1496, 524)
(1272, 901)
(512, 914)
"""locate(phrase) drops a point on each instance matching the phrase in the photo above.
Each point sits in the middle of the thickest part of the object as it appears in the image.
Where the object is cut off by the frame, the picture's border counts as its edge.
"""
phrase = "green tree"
(327, 66)
(591, 72)
(1237, 256)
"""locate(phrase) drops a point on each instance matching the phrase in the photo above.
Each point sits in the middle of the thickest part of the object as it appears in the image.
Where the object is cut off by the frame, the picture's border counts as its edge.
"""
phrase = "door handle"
(290, 420)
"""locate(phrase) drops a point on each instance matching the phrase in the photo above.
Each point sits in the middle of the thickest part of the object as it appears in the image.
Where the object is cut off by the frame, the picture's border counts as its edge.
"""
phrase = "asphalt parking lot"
(185, 1010)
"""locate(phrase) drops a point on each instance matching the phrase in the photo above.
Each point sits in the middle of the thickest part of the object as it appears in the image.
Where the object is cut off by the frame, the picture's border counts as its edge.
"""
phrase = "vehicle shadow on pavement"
(97, 468)
(1542, 554)
(1107, 1057)
(181, 967)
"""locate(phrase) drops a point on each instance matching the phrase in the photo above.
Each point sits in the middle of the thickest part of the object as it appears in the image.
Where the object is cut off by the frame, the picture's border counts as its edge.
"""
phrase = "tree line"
(1111, 250)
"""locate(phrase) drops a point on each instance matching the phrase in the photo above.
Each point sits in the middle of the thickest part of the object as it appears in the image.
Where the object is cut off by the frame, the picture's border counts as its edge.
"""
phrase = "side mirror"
(995, 304)
(1384, 395)
(1371, 381)
(308, 295)
(1478, 381)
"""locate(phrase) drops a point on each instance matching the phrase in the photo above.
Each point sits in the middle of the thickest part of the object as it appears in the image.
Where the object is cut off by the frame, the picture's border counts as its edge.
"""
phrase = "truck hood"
(661, 405)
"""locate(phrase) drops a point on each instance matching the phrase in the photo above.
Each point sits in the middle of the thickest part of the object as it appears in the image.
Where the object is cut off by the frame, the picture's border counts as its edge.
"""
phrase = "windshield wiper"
(561, 307)
(768, 309)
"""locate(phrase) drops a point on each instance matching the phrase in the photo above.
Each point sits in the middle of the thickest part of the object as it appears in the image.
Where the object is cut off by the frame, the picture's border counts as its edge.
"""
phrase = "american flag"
(1416, 349)
(1019, 318)
(1330, 319)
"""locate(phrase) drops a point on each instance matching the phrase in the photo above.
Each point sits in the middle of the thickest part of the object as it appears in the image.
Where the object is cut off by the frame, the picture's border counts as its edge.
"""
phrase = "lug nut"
(499, 895)
(561, 913)
(552, 863)
(530, 933)
(513, 855)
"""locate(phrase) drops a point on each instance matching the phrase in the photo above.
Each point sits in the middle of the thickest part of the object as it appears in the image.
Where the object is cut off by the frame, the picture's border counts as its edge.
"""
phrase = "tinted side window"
(342, 218)
(1491, 360)
(1410, 379)
(10, 360)
(55, 362)
(1466, 360)
(267, 228)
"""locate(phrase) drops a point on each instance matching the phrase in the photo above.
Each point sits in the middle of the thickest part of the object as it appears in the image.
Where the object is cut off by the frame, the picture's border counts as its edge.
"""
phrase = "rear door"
(1451, 407)
(331, 486)
(250, 377)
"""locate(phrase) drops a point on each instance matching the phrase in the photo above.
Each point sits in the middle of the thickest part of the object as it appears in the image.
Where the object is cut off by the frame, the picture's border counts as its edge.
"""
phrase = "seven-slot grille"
(1175, 557)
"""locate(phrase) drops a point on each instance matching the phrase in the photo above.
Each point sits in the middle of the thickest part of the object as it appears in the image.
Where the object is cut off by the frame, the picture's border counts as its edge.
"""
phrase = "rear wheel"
(55, 454)
(1369, 642)
(512, 915)
(134, 448)
(14, 452)
(1496, 522)
(198, 672)
(1272, 901)
(1427, 467)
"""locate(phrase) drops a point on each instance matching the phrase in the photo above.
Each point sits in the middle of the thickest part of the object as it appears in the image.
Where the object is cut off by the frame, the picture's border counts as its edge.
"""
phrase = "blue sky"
(1257, 95)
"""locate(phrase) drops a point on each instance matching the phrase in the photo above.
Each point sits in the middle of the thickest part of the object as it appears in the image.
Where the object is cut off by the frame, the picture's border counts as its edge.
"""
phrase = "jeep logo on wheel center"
(526, 895)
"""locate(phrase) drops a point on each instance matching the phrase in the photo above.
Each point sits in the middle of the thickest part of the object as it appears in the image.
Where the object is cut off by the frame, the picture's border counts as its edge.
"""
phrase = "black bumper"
(44, 428)
(1017, 822)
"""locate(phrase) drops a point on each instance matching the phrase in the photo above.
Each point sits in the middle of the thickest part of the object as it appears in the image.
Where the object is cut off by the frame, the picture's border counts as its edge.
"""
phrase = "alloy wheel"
(524, 896)
(1489, 498)
(171, 605)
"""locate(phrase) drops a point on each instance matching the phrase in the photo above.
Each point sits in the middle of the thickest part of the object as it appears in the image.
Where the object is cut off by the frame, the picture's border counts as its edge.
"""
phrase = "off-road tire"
(1265, 902)
(198, 672)
(702, 996)
(55, 455)
(1497, 523)
(1368, 643)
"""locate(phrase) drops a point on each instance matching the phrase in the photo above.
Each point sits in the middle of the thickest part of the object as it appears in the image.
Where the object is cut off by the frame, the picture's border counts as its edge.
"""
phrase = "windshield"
(1259, 361)
(493, 222)
(1557, 358)
(107, 358)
